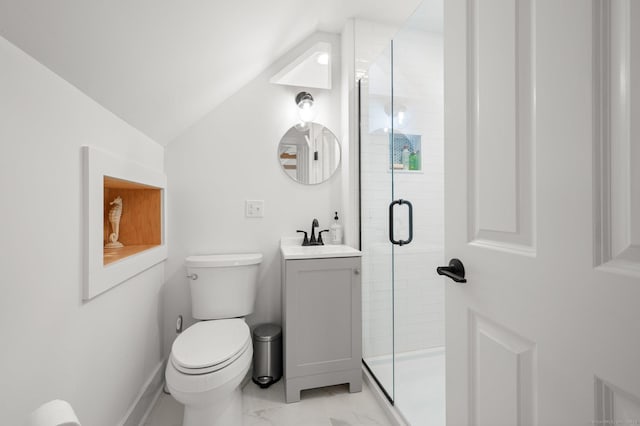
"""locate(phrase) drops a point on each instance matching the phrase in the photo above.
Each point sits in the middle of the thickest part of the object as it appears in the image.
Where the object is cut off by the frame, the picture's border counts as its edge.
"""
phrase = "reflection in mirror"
(309, 153)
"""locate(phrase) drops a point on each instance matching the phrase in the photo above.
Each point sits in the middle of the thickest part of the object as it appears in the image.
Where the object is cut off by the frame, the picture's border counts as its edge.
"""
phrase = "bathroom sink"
(290, 250)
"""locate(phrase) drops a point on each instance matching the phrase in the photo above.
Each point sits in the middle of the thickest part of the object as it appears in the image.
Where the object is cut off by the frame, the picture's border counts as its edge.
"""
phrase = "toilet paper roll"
(53, 413)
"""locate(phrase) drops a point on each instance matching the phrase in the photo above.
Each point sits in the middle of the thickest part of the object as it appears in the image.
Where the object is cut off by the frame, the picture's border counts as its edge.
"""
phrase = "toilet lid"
(208, 343)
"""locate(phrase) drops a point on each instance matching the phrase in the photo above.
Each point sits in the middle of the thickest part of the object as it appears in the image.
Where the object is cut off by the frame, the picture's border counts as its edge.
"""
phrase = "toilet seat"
(211, 368)
(209, 346)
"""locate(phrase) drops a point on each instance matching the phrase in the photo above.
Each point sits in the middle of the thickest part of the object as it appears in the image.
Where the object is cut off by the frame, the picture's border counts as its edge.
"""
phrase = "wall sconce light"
(306, 109)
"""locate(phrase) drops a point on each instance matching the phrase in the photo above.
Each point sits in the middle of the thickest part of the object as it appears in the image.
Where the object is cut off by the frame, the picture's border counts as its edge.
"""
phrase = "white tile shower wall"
(97, 354)
(419, 292)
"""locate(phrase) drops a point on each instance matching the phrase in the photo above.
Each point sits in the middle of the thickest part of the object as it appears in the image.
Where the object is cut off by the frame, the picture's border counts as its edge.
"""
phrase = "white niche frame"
(98, 277)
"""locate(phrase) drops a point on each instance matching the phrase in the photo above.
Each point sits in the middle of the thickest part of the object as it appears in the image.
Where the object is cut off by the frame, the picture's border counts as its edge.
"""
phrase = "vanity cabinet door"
(322, 316)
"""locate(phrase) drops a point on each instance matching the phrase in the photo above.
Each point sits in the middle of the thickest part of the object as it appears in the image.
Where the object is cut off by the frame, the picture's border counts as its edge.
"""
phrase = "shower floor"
(419, 384)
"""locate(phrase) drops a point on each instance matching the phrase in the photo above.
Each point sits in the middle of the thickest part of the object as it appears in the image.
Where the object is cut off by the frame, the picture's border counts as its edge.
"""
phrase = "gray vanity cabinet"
(322, 318)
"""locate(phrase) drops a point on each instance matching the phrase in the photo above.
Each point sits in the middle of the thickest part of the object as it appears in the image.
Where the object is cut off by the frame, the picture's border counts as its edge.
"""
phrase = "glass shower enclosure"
(402, 217)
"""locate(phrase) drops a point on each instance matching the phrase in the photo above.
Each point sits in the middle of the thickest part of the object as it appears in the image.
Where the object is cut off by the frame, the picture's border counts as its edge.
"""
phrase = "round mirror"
(309, 153)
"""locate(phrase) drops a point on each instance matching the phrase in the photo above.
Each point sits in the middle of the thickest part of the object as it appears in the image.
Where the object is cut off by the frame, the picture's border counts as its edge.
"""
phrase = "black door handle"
(391, 230)
(455, 271)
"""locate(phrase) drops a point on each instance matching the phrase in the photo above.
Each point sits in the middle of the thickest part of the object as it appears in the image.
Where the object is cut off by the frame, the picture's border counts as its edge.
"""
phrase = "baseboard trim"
(152, 404)
(144, 402)
(392, 413)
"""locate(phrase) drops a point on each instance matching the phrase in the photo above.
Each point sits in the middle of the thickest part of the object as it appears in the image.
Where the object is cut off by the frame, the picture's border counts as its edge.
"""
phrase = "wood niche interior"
(141, 220)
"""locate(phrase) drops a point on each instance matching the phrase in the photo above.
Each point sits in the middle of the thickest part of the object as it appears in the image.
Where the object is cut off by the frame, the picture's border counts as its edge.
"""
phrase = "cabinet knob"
(356, 271)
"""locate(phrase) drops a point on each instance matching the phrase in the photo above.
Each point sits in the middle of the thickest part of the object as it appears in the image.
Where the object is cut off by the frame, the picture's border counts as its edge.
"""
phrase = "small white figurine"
(114, 220)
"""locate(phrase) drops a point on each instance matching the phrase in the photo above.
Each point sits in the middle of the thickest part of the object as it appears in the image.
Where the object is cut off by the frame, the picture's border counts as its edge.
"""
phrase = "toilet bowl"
(207, 364)
(210, 359)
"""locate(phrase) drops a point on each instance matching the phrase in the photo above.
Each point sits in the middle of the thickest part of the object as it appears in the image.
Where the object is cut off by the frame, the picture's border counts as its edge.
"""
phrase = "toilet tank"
(223, 285)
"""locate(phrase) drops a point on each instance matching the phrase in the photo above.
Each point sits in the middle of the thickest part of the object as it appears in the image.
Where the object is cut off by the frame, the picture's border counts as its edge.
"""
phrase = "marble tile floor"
(329, 406)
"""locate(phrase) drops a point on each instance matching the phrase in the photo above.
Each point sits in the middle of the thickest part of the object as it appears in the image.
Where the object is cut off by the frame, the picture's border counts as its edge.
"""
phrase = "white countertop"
(291, 248)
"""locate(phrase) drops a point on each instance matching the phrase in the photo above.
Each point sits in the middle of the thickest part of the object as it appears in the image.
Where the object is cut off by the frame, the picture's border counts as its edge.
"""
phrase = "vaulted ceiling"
(162, 64)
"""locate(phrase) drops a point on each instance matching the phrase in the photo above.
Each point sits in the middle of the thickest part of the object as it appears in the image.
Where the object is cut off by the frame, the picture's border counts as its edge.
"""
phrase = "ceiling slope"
(161, 65)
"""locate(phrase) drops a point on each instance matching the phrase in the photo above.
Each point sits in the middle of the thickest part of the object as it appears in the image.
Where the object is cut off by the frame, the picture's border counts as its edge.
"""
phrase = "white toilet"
(210, 359)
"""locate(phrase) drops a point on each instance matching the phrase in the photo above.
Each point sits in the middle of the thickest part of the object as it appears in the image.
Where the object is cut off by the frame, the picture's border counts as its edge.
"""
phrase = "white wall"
(98, 354)
(231, 156)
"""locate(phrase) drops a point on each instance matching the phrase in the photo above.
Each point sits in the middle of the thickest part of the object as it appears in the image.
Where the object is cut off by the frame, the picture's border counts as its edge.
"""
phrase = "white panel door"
(542, 205)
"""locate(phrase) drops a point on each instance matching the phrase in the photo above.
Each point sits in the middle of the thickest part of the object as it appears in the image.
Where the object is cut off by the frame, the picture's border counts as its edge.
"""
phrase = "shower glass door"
(418, 106)
(376, 192)
(402, 172)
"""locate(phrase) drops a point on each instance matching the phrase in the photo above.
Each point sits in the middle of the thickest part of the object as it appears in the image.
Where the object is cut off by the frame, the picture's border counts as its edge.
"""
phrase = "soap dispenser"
(336, 231)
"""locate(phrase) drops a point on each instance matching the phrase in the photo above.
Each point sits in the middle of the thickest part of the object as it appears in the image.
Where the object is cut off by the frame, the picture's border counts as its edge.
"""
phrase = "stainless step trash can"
(267, 354)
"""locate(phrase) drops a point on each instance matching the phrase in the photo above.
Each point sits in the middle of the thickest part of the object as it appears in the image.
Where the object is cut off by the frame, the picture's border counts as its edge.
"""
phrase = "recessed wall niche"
(142, 227)
(140, 221)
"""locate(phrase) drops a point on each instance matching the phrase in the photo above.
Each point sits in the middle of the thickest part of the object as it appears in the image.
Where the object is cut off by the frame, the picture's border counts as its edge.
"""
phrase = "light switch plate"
(254, 208)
